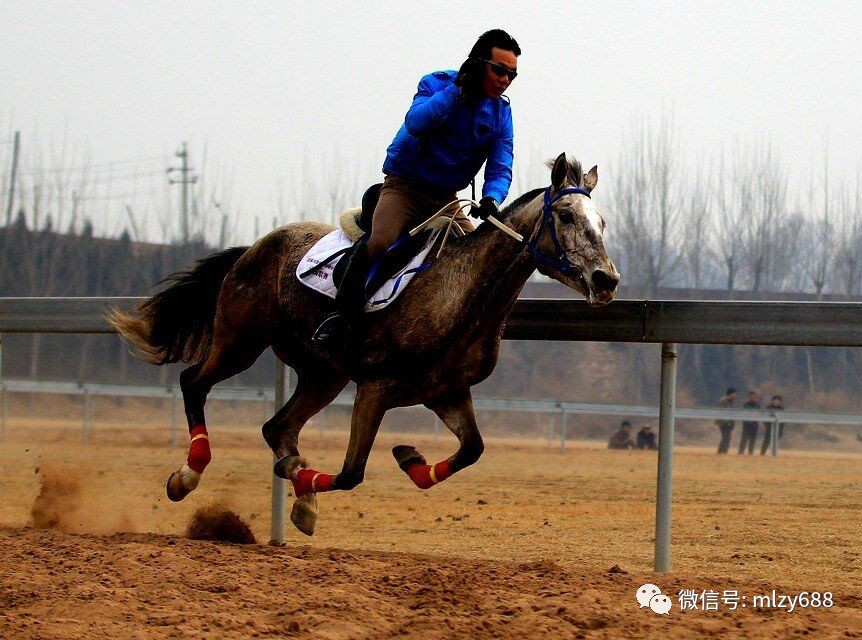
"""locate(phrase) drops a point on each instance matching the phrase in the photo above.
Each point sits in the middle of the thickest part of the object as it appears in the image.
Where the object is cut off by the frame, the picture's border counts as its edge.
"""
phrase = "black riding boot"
(334, 331)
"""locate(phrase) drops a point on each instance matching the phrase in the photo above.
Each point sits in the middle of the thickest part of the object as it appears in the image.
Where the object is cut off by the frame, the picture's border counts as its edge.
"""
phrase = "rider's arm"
(498, 168)
(430, 105)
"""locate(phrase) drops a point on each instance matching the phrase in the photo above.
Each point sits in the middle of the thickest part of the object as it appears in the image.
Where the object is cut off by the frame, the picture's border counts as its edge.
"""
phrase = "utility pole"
(185, 180)
(11, 201)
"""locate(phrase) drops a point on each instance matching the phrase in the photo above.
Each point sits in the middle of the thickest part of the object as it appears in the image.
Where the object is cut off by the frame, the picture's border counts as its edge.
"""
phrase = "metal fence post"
(279, 485)
(174, 423)
(667, 404)
(774, 442)
(4, 410)
(563, 431)
(2, 396)
(550, 430)
(85, 435)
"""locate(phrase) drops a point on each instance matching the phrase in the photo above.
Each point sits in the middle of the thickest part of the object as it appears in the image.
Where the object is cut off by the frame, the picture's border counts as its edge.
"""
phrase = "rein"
(560, 261)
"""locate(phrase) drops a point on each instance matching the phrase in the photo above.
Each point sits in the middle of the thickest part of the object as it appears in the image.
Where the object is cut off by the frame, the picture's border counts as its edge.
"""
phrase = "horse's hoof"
(284, 467)
(304, 513)
(406, 456)
(181, 483)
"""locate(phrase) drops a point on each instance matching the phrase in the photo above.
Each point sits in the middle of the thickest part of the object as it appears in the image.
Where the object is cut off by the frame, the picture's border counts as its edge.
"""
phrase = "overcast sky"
(260, 84)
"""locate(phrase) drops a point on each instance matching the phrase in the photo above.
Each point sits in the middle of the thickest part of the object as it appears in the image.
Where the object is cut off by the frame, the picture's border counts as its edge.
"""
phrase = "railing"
(552, 408)
(665, 322)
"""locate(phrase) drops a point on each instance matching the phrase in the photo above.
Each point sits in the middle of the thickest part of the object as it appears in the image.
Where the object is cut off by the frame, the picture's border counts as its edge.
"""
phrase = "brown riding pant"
(404, 205)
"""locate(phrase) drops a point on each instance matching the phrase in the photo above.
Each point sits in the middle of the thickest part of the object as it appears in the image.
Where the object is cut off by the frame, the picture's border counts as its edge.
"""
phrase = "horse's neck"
(496, 267)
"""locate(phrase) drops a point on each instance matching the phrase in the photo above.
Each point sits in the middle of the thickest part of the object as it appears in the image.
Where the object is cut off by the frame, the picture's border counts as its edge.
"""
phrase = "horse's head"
(567, 238)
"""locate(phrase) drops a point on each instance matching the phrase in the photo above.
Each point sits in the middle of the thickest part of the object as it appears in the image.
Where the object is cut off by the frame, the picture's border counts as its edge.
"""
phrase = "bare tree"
(819, 250)
(648, 204)
(695, 250)
(764, 212)
(848, 241)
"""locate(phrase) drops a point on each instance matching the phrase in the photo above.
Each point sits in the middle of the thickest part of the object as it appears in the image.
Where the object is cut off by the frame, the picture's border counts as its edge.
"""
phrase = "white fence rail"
(266, 397)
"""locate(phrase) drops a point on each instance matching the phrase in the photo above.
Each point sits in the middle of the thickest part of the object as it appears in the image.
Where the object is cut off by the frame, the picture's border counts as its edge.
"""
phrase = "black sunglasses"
(500, 71)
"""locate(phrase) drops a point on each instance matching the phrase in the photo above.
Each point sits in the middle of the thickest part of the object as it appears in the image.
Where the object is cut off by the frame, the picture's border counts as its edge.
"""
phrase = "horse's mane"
(520, 201)
(574, 173)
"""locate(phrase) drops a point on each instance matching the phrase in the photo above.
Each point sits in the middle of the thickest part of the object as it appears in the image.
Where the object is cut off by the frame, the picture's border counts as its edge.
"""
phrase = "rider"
(458, 121)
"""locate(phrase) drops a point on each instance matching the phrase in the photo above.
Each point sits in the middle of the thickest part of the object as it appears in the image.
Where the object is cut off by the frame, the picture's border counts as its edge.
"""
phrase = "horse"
(428, 347)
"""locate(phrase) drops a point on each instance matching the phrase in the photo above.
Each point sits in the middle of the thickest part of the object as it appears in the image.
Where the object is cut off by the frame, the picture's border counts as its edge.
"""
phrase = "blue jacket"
(443, 145)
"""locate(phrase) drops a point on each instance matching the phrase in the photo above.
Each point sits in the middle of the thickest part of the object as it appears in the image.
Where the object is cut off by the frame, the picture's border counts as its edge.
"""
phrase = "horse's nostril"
(603, 281)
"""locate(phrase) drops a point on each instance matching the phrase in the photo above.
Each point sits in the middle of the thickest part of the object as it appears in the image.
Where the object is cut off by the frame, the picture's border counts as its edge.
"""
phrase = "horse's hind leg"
(226, 359)
(456, 412)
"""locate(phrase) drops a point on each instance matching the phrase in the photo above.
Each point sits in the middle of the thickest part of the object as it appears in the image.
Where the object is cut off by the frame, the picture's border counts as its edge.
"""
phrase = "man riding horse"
(457, 122)
(428, 347)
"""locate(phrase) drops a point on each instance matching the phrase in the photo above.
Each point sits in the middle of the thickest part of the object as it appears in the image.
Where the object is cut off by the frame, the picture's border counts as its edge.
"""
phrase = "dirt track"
(523, 543)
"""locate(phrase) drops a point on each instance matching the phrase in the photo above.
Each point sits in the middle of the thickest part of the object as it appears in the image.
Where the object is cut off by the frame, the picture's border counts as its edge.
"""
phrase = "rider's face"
(494, 85)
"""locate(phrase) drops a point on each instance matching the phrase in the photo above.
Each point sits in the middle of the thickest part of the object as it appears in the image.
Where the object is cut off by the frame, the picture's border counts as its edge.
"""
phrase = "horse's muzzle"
(602, 286)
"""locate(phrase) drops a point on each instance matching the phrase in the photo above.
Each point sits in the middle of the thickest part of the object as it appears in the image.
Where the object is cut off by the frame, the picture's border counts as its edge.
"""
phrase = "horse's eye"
(566, 216)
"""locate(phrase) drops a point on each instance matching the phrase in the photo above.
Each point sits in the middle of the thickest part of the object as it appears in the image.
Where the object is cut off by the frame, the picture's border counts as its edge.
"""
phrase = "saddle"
(356, 225)
(322, 268)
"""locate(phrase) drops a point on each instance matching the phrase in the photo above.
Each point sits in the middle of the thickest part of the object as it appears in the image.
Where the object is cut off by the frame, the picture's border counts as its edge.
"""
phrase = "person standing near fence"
(775, 404)
(726, 426)
(749, 427)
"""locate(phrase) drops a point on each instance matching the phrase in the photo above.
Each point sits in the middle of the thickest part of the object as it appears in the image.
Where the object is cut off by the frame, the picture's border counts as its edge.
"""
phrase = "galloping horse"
(441, 337)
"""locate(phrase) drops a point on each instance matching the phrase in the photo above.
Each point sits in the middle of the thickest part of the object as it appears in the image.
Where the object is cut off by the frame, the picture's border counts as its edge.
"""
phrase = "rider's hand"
(469, 77)
(487, 207)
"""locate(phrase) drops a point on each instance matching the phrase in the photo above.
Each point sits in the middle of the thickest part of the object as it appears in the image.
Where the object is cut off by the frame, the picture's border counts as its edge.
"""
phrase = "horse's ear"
(592, 178)
(559, 171)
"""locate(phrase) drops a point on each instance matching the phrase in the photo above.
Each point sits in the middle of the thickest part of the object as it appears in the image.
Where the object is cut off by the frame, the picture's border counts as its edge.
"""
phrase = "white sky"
(260, 84)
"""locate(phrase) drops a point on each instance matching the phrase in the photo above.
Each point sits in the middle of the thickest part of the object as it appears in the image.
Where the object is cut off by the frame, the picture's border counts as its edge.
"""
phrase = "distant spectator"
(749, 427)
(646, 439)
(622, 437)
(774, 405)
(726, 426)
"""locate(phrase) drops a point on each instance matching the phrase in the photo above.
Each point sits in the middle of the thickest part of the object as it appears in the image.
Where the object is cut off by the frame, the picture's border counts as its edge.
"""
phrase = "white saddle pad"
(321, 279)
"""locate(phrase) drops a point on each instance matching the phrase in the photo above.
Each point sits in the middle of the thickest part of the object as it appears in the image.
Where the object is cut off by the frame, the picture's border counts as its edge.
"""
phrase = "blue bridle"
(561, 261)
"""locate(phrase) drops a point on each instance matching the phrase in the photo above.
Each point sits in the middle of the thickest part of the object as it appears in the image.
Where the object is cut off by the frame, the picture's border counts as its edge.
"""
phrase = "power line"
(89, 167)
(122, 195)
(74, 193)
(101, 179)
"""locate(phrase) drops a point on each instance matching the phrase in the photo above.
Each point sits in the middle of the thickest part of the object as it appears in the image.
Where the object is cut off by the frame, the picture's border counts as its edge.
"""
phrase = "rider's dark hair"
(494, 38)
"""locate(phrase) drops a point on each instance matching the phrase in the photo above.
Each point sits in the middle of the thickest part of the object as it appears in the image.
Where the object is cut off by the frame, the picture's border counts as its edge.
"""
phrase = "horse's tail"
(177, 323)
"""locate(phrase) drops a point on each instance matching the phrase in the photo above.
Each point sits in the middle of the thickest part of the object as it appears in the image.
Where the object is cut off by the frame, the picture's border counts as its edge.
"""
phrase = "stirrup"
(334, 331)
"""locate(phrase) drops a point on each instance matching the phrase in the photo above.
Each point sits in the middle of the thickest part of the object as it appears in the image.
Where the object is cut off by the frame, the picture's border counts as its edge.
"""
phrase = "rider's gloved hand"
(469, 77)
(487, 207)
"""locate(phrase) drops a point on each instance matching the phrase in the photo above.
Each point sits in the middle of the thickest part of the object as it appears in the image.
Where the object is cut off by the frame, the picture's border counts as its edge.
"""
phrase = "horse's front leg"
(368, 410)
(456, 412)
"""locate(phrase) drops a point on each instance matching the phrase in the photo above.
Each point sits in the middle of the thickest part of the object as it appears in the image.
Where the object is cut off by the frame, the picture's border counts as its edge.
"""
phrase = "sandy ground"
(528, 541)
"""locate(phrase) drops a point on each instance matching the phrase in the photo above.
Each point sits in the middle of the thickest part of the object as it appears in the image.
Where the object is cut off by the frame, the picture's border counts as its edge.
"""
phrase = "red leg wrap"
(199, 449)
(311, 481)
(425, 476)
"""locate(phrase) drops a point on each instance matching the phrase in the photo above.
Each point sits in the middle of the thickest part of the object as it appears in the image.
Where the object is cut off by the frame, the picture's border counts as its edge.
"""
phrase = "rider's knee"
(347, 480)
(376, 248)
